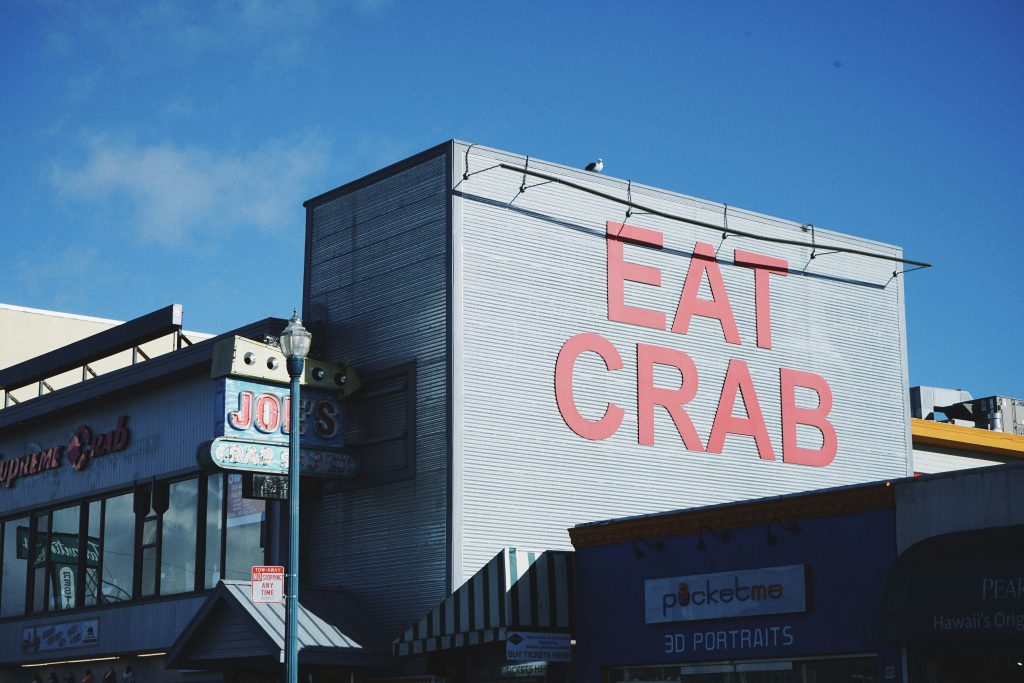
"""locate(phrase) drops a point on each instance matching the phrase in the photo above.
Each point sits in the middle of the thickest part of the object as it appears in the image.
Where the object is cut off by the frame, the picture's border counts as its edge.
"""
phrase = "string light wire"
(833, 249)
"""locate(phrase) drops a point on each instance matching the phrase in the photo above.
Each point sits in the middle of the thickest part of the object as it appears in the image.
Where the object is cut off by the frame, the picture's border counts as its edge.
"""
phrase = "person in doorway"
(88, 677)
(129, 675)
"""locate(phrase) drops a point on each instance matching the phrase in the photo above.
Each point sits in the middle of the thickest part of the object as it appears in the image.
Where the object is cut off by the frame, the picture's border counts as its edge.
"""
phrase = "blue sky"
(159, 152)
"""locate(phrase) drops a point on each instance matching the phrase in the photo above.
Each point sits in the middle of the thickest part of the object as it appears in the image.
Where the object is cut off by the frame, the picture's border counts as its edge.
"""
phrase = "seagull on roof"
(595, 166)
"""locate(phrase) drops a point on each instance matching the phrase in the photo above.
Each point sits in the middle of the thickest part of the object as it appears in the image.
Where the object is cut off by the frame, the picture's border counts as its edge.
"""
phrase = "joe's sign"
(262, 412)
(256, 426)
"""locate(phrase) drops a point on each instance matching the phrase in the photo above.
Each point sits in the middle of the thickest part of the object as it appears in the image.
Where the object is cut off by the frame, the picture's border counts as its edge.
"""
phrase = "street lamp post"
(295, 341)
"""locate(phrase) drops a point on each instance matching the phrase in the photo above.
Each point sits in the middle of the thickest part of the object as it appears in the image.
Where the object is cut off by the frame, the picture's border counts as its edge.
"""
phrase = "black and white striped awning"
(517, 590)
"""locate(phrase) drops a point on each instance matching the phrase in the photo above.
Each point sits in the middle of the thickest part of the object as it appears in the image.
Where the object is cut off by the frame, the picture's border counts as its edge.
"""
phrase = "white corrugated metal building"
(532, 363)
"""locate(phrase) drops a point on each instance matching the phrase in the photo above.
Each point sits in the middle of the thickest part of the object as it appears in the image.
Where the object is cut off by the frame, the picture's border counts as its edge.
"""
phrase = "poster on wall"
(60, 636)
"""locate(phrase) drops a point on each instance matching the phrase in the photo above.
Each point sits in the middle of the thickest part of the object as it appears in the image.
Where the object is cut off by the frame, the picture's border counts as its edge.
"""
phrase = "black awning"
(517, 589)
(964, 587)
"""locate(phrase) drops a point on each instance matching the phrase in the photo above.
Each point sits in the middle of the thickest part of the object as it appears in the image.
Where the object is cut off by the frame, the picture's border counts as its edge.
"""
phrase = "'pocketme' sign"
(768, 590)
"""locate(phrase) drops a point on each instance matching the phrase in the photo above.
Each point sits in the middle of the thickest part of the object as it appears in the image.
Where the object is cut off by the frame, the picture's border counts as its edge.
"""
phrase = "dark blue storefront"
(780, 590)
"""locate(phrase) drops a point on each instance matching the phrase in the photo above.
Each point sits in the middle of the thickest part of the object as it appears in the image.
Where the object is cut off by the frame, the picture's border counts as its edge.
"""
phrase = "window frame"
(36, 518)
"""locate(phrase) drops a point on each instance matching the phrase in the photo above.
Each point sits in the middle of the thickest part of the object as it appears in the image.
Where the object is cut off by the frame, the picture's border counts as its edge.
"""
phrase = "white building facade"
(544, 346)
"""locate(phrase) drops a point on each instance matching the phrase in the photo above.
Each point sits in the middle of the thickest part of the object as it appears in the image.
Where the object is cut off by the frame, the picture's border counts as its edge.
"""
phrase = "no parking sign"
(268, 584)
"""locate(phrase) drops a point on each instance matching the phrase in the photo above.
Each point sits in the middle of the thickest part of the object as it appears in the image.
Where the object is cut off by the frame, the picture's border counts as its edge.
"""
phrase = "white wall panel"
(534, 275)
(528, 272)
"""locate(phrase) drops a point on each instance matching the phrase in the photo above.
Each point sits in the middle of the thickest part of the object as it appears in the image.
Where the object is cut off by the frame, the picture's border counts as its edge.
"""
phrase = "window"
(15, 567)
(214, 529)
(40, 556)
(91, 578)
(178, 538)
(852, 669)
(117, 549)
(161, 538)
(62, 568)
(245, 519)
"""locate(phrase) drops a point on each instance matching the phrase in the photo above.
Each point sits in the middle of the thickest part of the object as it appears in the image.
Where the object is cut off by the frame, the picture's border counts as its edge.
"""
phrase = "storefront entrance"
(860, 669)
(944, 666)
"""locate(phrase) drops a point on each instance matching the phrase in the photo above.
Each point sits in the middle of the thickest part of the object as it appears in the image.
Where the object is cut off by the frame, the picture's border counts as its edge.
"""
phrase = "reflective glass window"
(149, 570)
(245, 519)
(214, 528)
(92, 553)
(117, 556)
(63, 561)
(40, 555)
(15, 567)
(178, 538)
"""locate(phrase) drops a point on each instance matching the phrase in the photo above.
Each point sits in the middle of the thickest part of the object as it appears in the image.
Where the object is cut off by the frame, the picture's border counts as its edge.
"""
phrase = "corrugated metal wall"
(377, 274)
(980, 498)
(146, 627)
(529, 272)
(167, 424)
(534, 275)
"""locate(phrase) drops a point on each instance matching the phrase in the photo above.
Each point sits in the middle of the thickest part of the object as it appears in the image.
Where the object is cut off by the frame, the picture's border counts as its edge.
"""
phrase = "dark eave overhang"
(815, 504)
(100, 345)
(133, 379)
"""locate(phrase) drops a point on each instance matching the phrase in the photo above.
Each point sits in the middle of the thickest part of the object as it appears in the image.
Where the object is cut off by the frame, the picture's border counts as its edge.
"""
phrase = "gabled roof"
(229, 628)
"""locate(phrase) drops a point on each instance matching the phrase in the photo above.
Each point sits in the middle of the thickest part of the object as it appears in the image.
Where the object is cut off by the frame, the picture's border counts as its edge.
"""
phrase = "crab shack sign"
(739, 400)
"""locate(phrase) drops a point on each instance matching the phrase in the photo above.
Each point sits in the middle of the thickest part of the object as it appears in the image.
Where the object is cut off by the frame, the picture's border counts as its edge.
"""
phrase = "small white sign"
(532, 646)
(524, 670)
(268, 584)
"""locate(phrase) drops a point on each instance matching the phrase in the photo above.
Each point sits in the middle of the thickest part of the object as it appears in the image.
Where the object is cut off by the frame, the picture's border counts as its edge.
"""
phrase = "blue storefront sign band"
(240, 455)
(751, 592)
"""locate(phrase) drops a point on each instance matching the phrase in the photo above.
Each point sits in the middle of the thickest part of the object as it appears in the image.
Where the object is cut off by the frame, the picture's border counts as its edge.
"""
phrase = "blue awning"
(958, 588)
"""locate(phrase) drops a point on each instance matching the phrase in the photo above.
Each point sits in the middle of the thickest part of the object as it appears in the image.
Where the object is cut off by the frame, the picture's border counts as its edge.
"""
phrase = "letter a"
(737, 379)
(716, 307)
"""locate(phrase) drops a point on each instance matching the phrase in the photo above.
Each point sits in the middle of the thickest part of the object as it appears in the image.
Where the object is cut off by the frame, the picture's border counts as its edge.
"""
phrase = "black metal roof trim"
(100, 345)
(133, 378)
(394, 168)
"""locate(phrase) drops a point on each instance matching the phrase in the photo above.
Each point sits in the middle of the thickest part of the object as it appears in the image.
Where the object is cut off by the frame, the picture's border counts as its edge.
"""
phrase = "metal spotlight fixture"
(638, 550)
(723, 536)
(791, 527)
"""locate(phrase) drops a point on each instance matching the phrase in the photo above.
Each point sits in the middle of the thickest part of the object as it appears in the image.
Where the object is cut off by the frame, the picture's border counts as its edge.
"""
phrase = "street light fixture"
(295, 341)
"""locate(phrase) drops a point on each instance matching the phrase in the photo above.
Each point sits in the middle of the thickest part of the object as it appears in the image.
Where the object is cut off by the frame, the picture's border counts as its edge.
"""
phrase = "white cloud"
(179, 195)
